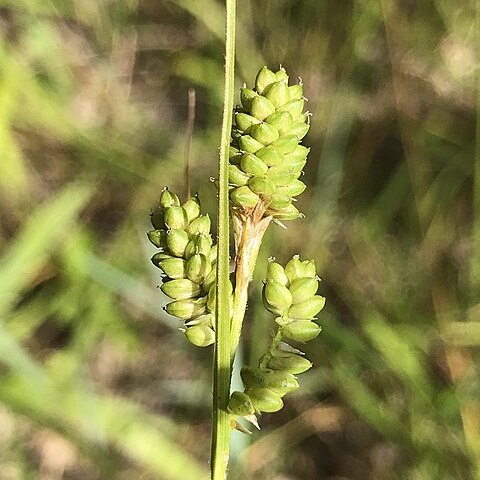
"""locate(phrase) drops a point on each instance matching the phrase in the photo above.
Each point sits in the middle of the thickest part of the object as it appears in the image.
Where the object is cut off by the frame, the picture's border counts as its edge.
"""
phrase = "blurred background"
(96, 382)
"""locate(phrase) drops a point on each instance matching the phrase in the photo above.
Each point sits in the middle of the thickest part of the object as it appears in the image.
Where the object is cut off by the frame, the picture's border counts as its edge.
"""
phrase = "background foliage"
(96, 382)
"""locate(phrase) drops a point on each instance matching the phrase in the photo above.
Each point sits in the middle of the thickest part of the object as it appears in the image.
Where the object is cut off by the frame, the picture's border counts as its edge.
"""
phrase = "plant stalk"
(221, 430)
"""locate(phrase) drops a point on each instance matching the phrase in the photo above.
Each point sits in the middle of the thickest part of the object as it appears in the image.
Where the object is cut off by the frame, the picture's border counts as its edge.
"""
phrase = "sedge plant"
(261, 161)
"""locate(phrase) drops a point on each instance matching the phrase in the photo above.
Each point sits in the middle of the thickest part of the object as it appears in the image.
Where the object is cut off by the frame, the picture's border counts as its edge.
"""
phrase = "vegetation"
(96, 380)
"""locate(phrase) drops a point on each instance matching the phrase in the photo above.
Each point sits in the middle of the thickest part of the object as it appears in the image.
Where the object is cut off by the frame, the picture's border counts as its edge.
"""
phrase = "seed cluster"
(187, 257)
(266, 158)
(290, 293)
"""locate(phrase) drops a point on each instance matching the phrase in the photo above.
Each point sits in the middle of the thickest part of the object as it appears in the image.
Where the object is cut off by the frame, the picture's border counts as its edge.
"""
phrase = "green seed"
(303, 289)
(262, 108)
(280, 174)
(299, 129)
(158, 257)
(177, 241)
(240, 404)
(299, 153)
(276, 273)
(176, 217)
(301, 330)
(286, 144)
(169, 199)
(277, 93)
(294, 188)
(245, 121)
(200, 335)
(173, 267)
(261, 185)
(252, 165)
(264, 78)
(264, 399)
(288, 213)
(249, 144)
(270, 156)
(294, 364)
(264, 133)
(277, 296)
(198, 267)
(192, 208)
(294, 269)
(181, 288)
(187, 309)
(280, 382)
(308, 309)
(282, 121)
(278, 202)
(281, 75)
(244, 197)
(157, 237)
(308, 269)
(203, 244)
(246, 96)
(201, 225)
(236, 176)
(294, 108)
(296, 92)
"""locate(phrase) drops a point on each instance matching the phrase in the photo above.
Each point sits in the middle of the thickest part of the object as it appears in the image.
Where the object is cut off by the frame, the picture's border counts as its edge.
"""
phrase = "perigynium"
(266, 160)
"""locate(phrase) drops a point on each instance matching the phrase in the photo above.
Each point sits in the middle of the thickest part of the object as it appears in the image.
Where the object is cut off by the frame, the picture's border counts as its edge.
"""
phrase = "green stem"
(222, 371)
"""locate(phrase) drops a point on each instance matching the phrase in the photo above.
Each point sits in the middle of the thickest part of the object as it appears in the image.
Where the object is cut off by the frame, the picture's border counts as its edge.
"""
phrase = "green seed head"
(200, 335)
(280, 382)
(289, 213)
